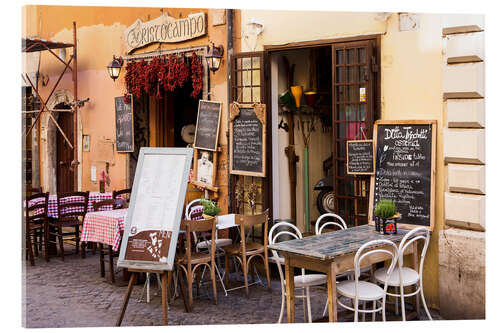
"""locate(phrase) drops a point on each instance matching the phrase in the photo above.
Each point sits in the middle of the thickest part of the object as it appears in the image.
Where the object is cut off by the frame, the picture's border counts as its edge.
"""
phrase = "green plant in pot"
(210, 208)
(386, 216)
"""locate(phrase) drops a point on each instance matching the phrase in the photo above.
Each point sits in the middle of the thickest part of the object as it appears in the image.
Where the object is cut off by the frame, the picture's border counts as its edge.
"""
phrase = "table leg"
(332, 293)
(164, 297)
(290, 287)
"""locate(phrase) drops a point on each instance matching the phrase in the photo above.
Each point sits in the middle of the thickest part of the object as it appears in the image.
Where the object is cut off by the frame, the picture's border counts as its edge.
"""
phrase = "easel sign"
(247, 139)
(405, 170)
(155, 209)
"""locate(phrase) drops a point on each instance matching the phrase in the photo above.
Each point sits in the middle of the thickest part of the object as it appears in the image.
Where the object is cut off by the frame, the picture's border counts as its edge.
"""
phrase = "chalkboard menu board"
(405, 170)
(207, 125)
(155, 210)
(247, 139)
(124, 118)
(360, 160)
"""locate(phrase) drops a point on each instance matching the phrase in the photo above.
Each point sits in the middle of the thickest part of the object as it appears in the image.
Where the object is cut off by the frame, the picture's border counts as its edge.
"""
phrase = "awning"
(37, 45)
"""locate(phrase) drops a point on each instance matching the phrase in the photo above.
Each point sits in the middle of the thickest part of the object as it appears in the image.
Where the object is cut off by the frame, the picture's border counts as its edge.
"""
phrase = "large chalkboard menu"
(360, 159)
(247, 139)
(405, 170)
(124, 118)
(155, 210)
(207, 125)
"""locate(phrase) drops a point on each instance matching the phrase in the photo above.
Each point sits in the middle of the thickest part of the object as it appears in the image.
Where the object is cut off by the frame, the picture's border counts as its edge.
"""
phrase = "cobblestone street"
(72, 294)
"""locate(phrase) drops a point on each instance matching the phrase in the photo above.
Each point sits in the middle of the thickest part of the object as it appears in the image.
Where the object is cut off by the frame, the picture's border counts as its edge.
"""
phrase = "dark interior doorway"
(65, 176)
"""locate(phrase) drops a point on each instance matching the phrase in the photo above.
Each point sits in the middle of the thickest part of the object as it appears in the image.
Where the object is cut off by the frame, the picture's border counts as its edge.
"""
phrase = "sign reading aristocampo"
(165, 29)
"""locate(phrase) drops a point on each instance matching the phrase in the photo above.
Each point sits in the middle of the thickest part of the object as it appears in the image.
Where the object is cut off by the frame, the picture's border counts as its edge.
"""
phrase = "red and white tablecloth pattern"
(104, 227)
(93, 197)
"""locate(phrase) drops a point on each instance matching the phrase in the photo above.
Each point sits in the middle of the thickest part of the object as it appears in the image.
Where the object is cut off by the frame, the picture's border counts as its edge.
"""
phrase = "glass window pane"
(340, 112)
(247, 63)
(350, 56)
(341, 168)
(341, 130)
(246, 78)
(256, 95)
(362, 111)
(361, 55)
(239, 80)
(363, 74)
(255, 63)
(339, 74)
(339, 93)
(352, 93)
(256, 78)
(247, 98)
(350, 112)
(339, 57)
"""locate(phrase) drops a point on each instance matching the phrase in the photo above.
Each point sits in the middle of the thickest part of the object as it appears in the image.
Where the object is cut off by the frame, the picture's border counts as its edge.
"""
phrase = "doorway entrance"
(64, 153)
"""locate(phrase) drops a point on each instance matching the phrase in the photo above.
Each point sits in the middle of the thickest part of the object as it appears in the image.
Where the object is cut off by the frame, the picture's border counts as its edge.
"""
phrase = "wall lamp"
(115, 67)
(214, 57)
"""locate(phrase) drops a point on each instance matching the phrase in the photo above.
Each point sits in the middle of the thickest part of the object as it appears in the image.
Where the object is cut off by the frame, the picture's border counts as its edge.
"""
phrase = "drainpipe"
(75, 113)
(230, 51)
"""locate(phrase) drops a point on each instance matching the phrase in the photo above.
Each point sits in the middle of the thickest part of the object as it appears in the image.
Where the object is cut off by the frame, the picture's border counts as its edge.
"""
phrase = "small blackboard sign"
(360, 160)
(405, 170)
(207, 125)
(247, 140)
(124, 118)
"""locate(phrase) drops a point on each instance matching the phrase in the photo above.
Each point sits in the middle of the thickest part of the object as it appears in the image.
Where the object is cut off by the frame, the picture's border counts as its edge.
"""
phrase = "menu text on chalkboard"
(247, 140)
(124, 125)
(207, 125)
(360, 159)
(405, 153)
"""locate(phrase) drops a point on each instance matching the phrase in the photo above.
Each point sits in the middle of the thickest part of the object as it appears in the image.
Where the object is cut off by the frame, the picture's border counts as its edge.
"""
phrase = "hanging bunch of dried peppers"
(163, 74)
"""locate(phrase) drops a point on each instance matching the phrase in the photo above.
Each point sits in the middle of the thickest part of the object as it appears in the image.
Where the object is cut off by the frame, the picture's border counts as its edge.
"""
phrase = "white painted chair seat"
(367, 291)
(308, 280)
(410, 276)
(220, 242)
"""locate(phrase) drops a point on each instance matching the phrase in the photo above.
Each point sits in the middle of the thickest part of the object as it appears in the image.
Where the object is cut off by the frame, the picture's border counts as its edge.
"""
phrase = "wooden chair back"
(37, 207)
(124, 195)
(102, 205)
(71, 209)
(191, 226)
(246, 221)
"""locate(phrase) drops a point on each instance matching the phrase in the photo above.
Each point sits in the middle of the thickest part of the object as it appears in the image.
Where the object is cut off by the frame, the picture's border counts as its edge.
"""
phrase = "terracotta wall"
(100, 36)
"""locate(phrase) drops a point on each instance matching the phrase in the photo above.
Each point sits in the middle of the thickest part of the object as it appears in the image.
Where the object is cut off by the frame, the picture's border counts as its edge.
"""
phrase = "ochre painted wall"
(411, 79)
(99, 37)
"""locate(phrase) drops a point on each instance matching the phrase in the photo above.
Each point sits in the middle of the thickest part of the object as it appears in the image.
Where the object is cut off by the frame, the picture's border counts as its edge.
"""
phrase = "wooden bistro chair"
(36, 225)
(71, 213)
(245, 251)
(121, 198)
(98, 206)
(190, 261)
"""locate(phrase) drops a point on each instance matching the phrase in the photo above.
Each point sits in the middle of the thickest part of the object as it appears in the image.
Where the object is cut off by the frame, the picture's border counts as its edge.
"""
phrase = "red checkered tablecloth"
(93, 197)
(104, 227)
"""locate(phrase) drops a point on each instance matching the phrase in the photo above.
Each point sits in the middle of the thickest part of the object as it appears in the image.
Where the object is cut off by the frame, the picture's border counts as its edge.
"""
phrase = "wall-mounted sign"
(165, 29)
(247, 140)
(207, 125)
(124, 118)
(405, 170)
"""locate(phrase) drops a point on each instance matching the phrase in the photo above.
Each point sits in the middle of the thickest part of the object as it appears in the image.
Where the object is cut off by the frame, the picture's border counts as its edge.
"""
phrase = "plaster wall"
(411, 78)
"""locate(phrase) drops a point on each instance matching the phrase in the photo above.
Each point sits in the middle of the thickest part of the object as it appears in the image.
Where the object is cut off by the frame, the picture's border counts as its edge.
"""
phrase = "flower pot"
(311, 98)
(387, 226)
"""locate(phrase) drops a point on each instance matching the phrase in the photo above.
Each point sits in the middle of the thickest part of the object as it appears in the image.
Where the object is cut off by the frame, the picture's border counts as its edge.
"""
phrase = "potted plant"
(386, 217)
(210, 208)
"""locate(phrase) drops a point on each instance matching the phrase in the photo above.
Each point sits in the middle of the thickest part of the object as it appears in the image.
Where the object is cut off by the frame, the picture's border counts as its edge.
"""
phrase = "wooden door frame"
(268, 49)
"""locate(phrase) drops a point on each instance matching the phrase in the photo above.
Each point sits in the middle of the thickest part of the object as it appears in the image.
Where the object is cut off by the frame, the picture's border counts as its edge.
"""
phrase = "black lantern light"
(115, 67)
(214, 57)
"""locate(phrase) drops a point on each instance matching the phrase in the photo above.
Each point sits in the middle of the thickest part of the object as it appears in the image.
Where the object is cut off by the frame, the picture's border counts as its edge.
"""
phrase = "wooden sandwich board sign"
(154, 215)
(360, 157)
(405, 170)
(247, 139)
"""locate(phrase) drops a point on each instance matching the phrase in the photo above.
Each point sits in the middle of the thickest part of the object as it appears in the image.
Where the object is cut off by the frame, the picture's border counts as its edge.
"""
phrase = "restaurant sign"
(165, 29)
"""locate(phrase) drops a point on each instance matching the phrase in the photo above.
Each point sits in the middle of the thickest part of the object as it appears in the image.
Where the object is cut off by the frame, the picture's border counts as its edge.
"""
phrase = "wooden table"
(332, 253)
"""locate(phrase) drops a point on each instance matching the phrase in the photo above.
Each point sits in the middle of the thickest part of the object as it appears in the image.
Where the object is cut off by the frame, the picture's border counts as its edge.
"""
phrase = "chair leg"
(61, 241)
(282, 302)
(29, 247)
(94, 245)
(374, 313)
(266, 267)
(101, 261)
(364, 313)
(304, 304)
(198, 282)
(308, 297)
(424, 303)
(35, 243)
(212, 276)
(245, 275)
(84, 249)
(46, 240)
(111, 266)
(77, 238)
(396, 301)
(190, 287)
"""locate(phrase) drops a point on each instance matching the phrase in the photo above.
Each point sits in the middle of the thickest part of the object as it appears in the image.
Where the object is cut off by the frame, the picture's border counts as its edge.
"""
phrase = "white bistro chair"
(364, 291)
(409, 277)
(302, 281)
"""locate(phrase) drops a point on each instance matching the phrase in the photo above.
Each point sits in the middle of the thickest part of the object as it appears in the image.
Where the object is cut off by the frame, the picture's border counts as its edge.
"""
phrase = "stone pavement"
(72, 294)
